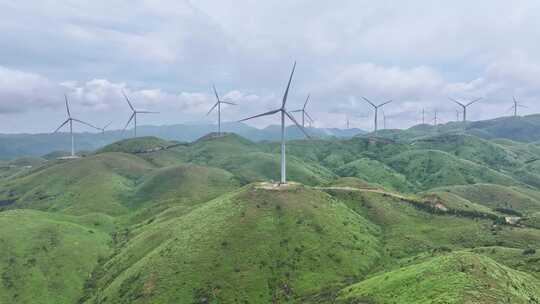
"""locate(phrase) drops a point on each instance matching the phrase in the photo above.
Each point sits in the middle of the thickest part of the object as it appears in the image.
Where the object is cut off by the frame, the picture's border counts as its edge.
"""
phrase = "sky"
(165, 55)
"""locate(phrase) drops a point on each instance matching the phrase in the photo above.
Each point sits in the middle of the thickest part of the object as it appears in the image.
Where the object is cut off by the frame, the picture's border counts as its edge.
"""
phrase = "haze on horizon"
(166, 55)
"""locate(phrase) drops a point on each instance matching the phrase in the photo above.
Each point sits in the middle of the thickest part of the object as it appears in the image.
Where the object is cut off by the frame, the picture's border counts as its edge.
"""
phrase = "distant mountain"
(17, 145)
(521, 129)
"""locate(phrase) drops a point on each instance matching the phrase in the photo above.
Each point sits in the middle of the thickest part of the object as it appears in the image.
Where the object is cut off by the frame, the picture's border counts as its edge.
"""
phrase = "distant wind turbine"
(218, 105)
(376, 107)
(423, 116)
(384, 120)
(283, 111)
(70, 120)
(516, 106)
(465, 106)
(134, 114)
(304, 112)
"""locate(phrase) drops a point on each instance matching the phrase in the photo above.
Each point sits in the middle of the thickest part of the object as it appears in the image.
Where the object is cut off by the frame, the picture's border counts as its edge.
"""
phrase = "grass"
(455, 278)
(47, 258)
(375, 172)
(215, 252)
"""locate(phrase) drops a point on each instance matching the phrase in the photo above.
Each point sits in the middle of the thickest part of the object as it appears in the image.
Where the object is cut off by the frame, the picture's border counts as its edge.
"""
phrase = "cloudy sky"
(166, 54)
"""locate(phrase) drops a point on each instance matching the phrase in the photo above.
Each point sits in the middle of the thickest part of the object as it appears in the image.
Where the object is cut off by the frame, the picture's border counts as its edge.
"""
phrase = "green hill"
(91, 184)
(460, 278)
(259, 244)
(496, 197)
(47, 258)
(137, 145)
(470, 148)
(433, 168)
(375, 172)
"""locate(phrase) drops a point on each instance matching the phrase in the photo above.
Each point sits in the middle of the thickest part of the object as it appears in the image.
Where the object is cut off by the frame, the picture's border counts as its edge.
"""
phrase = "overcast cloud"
(166, 54)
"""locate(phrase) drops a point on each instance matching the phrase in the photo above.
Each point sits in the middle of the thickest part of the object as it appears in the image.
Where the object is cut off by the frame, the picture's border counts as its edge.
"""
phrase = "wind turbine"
(70, 120)
(384, 119)
(283, 111)
(218, 105)
(516, 106)
(465, 106)
(458, 113)
(376, 107)
(304, 112)
(134, 114)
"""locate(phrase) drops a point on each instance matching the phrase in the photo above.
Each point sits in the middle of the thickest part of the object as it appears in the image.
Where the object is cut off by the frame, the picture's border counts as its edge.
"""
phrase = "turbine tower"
(376, 107)
(283, 111)
(70, 120)
(384, 120)
(218, 105)
(465, 106)
(304, 112)
(516, 106)
(134, 114)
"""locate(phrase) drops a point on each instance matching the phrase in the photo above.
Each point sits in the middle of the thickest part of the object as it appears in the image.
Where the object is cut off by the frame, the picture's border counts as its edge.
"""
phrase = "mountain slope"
(457, 278)
(215, 253)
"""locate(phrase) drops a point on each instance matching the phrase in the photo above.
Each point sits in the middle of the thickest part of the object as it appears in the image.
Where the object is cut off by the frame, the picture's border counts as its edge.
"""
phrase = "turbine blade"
(459, 103)
(130, 119)
(305, 103)
(215, 92)
(63, 124)
(474, 101)
(308, 116)
(295, 111)
(288, 86)
(384, 103)
(107, 125)
(147, 112)
(369, 101)
(296, 123)
(127, 99)
(213, 107)
(67, 105)
(263, 114)
(229, 103)
(85, 123)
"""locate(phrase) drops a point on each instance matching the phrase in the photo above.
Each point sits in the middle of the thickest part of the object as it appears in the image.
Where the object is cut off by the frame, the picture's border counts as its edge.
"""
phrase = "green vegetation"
(425, 215)
(455, 278)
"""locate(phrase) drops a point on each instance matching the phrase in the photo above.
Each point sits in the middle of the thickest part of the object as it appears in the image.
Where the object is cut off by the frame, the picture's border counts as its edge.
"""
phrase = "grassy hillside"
(47, 258)
(375, 172)
(497, 197)
(91, 184)
(414, 216)
(215, 253)
(460, 278)
(433, 168)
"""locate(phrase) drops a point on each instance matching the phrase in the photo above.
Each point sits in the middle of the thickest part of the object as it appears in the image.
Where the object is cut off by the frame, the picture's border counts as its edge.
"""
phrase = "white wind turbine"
(70, 120)
(134, 114)
(376, 107)
(218, 105)
(516, 106)
(465, 106)
(283, 111)
(304, 112)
